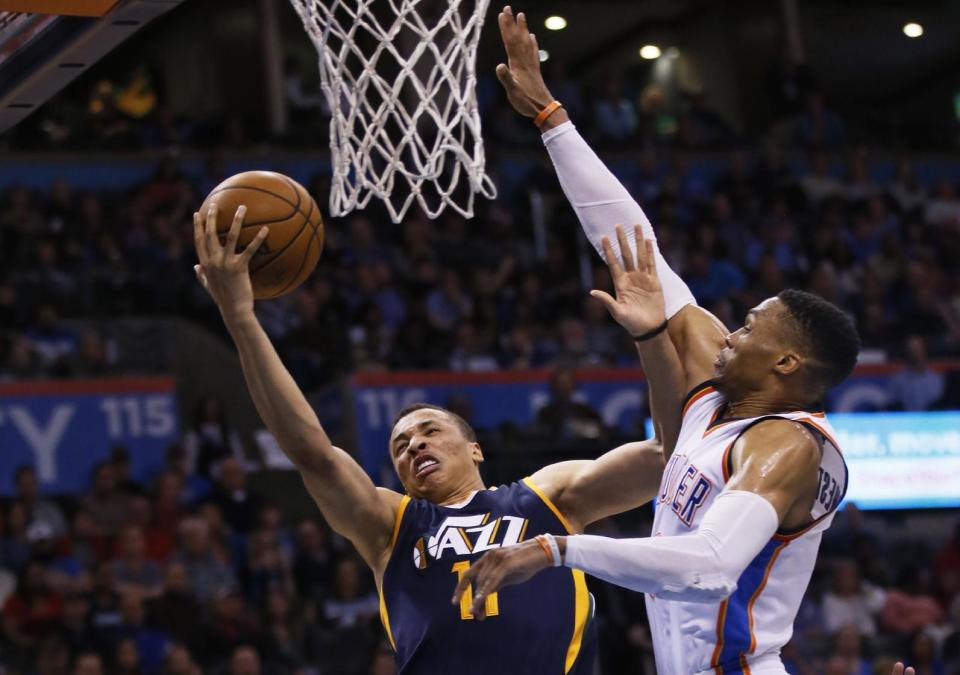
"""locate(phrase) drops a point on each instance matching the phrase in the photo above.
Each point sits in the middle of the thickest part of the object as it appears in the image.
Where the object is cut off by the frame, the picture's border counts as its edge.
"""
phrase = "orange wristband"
(542, 116)
(540, 539)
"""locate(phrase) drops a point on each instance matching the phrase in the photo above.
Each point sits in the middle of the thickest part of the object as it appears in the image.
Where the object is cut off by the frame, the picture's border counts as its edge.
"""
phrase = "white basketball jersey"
(745, 632)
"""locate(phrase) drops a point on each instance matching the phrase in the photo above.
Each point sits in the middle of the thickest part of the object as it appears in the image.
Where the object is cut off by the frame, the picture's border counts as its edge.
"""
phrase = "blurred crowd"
(194, 571)
(488, 293)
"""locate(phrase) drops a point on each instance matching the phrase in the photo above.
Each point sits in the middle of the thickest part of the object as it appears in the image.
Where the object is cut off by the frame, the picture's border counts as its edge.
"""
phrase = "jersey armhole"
(546, 500)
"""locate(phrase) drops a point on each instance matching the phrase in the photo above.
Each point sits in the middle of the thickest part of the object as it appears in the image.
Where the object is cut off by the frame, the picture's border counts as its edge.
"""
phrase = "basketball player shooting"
(756, 475)
(419, 544)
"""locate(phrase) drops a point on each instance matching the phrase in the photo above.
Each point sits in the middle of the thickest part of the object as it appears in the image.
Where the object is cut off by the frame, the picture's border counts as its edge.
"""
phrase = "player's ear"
(476, 454)
(788, 363)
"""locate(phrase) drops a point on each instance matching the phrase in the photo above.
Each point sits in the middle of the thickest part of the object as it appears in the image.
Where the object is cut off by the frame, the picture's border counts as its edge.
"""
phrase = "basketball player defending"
(419, 544)
(756, 475)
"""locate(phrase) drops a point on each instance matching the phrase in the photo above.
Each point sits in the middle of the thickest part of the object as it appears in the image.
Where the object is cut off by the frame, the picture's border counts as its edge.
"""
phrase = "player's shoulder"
(780, 436)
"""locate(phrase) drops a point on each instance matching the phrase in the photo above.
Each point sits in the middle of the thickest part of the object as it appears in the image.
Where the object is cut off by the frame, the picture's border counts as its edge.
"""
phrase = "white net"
(400, 79)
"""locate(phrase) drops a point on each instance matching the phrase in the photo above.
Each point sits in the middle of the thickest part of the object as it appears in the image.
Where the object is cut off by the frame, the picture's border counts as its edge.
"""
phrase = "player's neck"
(758, 404)
(462, 493)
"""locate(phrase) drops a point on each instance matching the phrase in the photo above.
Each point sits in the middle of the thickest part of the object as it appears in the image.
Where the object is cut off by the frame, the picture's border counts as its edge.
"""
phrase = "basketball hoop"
(401, 87)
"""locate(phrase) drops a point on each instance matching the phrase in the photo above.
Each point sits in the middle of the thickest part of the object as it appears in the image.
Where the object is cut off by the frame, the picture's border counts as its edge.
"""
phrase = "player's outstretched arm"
(347, 497)
(773, 484)
(598, 198)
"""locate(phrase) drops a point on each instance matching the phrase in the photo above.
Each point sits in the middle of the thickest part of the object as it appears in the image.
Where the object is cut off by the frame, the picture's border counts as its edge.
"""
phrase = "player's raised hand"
(224, 271)
(520, 75)
(498, 568)
(639, 305)
(899, 669)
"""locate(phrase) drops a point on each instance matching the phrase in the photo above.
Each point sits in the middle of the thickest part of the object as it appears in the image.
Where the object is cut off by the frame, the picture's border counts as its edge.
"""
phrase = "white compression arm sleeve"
(601, 203)
(699, 567)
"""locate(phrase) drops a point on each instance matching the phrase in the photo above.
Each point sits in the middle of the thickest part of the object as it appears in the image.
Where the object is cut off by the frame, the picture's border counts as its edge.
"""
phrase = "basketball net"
(401, 87)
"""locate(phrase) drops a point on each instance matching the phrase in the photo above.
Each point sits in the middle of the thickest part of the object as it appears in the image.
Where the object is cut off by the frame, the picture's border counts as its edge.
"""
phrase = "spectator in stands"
(50, 341)
(179, 661)
(105, 504)
(126, 659)
(471, 352)
(132, 570)
(88, 663)
(615, 114)
(230, 624)
(176, 609)
(14, 544)
(210, 439)
(136, 645)
(32, 610)
(848, 646)
(75, 626)
(916, 386)
(39, 509)
(851, 601)
(208, 575)
(245, 661)
(236, 502)
(312, 565)
(566, 417)
(349, 618)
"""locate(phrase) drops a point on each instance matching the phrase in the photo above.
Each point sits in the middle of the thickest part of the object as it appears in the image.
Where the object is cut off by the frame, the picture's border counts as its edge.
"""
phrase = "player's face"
(752, 351)
(431, 454)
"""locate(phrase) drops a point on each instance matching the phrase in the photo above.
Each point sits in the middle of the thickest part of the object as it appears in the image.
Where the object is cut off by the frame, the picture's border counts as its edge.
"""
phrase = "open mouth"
(425, 465)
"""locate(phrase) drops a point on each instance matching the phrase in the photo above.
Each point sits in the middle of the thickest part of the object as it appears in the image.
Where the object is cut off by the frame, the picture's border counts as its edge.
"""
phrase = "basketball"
(292, 248)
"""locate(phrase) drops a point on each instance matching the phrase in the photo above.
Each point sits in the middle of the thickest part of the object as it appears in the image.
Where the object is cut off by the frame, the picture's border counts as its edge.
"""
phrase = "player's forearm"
(666, 383)
(601, 202)
(277, 397)
(699, 567)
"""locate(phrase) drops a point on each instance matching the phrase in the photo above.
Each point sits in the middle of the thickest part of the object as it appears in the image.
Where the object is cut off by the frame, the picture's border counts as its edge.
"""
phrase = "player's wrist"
(239, 319)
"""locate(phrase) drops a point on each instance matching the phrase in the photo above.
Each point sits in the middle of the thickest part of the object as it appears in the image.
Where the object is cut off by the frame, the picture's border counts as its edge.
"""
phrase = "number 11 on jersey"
(491, 606)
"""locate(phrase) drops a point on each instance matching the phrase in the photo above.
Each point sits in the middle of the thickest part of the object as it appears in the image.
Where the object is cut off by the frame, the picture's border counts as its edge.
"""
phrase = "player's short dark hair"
(464, 426)
(826, 334)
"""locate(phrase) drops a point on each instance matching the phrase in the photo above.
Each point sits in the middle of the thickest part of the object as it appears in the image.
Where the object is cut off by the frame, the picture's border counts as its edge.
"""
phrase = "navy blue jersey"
(542, 626)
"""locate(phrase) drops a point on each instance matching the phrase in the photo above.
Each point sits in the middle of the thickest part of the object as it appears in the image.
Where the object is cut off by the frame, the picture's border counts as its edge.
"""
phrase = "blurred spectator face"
(308, 536)
(916, 351)
(271, 518)
(132, 545)
(922, 649)
(131, 608)
(169, 490)
(846, 578)
(76, 609)
(563, 385)
(196, 536)
(361, 232)
(35, 578)
(175, 578)
(245, 661)
(53, 657)
(213, 517)
(848, 642)
(26, 481)
(210, 410)
(347, 579)
(573, 335)
(105, 480)
(17, 519)
(103, 578)
(179, 661)
(128, 656)
(278, 608)
(88, 664)
(838, 665)
(47, 317)
(232, 474)
(139, 511)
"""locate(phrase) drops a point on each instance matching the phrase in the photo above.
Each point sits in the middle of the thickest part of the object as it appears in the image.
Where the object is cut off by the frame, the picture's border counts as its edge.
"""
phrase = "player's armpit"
(698, 336)
(585, 491)
(353, 506)
(778, 459)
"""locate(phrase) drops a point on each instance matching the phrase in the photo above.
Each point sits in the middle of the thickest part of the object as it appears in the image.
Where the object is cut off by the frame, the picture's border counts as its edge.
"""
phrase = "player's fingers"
(254, 245)
(625, 252)
(505, 76)
(234, 234)
(612, 261)
(910, 671)
(210, 233)
(463, 583)
(522, 23)
(605, 299)
(198, 238)
(201, 277)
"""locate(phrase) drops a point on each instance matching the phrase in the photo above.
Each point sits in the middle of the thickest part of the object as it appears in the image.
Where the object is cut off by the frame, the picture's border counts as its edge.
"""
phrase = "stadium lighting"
(555, 23)
(913, 30)
(544, 55)
(650, 52)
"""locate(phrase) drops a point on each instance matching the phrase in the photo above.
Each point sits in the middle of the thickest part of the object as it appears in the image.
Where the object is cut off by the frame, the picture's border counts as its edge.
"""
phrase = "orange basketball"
(292, 248)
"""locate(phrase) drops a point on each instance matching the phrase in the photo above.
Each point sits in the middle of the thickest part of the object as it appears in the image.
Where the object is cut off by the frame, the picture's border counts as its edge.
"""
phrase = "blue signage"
(63, 428)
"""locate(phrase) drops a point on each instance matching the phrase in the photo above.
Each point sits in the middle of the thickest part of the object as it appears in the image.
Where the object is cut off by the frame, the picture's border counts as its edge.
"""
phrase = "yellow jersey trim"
(580, 609)
(546, 500)
(581, 606)
(384, 615)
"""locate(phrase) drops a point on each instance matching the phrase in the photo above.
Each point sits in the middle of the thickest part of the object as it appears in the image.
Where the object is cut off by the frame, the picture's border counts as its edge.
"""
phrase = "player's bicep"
(698, 337)
(622, 479)
(778, 460)
(352, 505)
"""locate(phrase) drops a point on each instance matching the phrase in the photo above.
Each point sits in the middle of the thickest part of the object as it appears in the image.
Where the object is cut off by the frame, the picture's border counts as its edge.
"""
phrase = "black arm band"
(651, 334)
